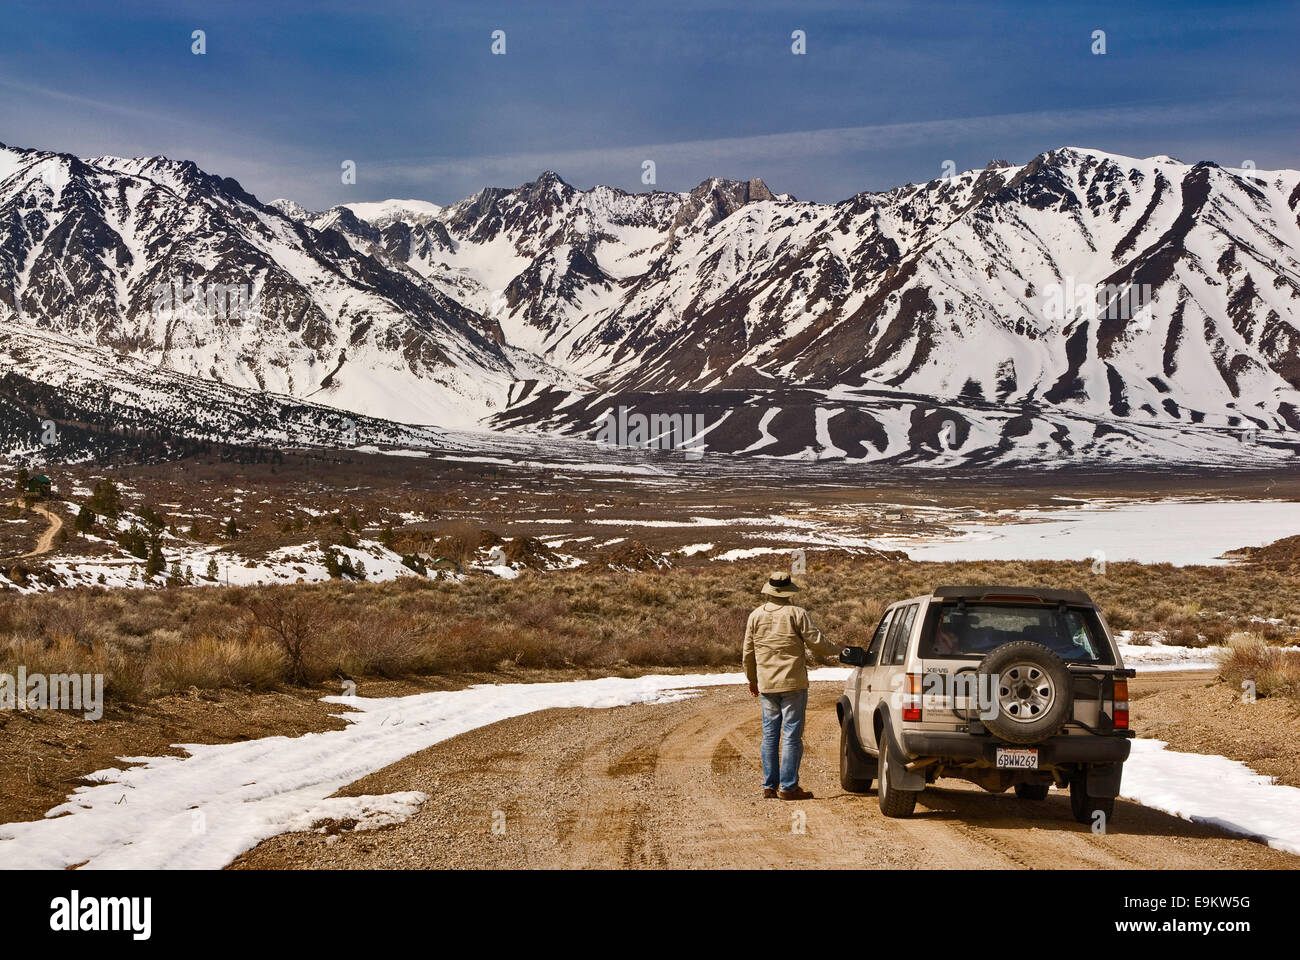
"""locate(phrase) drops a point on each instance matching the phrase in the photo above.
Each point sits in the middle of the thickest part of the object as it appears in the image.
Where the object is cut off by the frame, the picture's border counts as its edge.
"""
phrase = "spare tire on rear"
(1032, 690)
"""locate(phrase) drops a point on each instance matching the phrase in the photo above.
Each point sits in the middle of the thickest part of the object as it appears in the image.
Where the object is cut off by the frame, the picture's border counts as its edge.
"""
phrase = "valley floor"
(587, 556)
(250, 524)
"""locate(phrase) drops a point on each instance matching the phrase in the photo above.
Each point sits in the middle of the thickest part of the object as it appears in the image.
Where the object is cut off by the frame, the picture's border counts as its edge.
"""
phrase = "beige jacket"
(774, 647)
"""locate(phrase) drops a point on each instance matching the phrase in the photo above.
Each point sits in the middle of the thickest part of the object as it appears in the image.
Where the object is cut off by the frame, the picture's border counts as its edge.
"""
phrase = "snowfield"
(1177, 531)
(202, 811)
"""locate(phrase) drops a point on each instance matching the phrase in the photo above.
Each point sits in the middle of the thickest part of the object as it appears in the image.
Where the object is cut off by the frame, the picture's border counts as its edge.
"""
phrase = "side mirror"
(854, 656)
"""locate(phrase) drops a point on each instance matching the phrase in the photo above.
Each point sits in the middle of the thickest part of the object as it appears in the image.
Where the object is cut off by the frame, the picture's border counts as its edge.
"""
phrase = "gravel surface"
(677, 785)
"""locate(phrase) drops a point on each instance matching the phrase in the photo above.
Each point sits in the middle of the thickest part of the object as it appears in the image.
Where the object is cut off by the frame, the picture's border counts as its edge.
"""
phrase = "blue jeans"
(783, 717)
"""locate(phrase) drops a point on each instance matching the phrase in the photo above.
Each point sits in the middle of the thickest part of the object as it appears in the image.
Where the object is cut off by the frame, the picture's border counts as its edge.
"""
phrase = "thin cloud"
(770, 148)
(104, 105)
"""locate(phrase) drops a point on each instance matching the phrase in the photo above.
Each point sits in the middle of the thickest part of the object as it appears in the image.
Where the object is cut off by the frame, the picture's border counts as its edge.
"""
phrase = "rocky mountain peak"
(716, 199)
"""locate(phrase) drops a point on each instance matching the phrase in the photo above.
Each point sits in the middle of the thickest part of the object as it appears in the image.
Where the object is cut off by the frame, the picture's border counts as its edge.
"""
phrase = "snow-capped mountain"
(98, 401)
(162, 262)
(1084, 304)
(970, 291)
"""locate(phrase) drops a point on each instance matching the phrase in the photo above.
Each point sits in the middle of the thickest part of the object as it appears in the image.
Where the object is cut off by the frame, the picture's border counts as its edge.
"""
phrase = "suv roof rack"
(1021, 594)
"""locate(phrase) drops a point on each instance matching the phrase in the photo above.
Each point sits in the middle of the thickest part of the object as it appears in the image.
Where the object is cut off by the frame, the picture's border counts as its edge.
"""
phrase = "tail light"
(1120, 710)
(912, 699)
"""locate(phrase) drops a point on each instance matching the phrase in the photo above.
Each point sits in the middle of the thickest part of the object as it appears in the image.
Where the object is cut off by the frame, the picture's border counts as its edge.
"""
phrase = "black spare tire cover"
(1032, 691)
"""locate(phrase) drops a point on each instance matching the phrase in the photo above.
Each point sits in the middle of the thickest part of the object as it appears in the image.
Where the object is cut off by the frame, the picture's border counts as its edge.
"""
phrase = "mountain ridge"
(542, 306)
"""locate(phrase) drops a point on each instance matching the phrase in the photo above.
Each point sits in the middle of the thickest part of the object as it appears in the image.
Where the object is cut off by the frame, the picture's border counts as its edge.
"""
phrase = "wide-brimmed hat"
(779, 584)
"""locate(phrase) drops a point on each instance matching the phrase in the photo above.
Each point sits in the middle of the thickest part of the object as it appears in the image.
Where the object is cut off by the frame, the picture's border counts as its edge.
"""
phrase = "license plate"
(1018, 758)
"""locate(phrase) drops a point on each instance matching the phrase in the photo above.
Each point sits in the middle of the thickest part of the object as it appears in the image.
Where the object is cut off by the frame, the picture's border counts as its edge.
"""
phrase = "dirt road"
(46, 542)
(677, 785)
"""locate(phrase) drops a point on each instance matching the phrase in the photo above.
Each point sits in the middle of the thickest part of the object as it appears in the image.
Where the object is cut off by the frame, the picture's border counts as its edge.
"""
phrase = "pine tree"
(232, 531)
(134, 542)
(155, 564)
(85, 520)
(212, 571)
(105, 499)
(154, 520)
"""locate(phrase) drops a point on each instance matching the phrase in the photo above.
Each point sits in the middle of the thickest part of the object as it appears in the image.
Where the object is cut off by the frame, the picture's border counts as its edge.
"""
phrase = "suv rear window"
(1073, 633)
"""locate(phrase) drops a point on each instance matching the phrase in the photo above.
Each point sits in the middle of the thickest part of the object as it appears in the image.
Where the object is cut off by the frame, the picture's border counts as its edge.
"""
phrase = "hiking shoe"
(769, 793)
(798, 793)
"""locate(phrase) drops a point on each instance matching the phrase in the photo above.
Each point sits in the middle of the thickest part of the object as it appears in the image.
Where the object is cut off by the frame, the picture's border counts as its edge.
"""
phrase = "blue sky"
(886, 93)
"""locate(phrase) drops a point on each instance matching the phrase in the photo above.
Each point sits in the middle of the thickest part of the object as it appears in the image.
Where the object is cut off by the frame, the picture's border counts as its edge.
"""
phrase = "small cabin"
(40, 486)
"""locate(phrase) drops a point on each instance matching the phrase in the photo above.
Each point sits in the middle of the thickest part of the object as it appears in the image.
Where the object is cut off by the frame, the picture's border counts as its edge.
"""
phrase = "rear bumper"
(964, 746)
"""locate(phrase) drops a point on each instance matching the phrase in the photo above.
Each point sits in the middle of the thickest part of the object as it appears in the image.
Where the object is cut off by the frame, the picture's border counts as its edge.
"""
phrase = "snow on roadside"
(203, 810)
(148, 816)
(1241, 801)
(1156, 656)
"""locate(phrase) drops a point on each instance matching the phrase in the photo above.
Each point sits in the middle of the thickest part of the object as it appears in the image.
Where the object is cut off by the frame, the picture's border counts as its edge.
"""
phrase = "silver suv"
(1002, 686)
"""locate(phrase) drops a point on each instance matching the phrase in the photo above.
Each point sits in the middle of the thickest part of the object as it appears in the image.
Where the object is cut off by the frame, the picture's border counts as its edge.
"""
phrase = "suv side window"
(877, 641)
(887, 656)
(905, 634)
(899, 634)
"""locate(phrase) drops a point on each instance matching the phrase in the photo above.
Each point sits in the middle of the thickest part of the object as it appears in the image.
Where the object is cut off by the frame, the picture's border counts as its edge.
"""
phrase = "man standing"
(777, 668)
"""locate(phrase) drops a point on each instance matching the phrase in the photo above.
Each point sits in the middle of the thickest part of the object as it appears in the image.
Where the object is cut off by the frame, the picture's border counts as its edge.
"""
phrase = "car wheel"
(1085, 807)
(850, 763)
(893, 802)
(1032, 689)
(1032, 791)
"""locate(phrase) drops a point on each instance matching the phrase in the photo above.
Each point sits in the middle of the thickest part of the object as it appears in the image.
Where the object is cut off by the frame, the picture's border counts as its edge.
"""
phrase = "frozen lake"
(1180, 532)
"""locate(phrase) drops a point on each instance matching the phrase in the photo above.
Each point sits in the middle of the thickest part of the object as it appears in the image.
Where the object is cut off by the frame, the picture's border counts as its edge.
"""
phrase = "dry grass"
(150, 643)
(1275, 671)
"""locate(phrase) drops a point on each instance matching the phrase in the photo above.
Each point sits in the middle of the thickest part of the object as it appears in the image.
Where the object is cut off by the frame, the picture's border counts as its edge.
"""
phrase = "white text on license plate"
(1023, 759)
